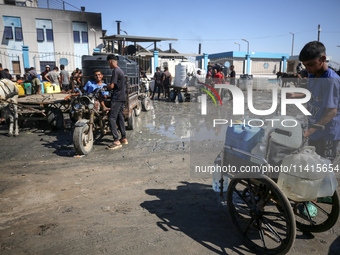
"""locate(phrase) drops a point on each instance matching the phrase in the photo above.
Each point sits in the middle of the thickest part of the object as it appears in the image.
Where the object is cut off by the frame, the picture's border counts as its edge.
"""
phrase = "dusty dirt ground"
(139, 199)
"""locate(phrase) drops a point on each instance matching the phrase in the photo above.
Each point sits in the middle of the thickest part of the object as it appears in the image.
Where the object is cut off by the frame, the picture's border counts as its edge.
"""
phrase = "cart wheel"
(146, 103)
(131, 122)
(138, 109)
(82, 140)
(172, 95)
(327, 214)
(261, 214)
(55, 118)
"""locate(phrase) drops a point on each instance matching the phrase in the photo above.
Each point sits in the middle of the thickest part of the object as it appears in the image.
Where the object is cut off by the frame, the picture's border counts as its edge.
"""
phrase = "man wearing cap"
(44, 73)
(116, 117)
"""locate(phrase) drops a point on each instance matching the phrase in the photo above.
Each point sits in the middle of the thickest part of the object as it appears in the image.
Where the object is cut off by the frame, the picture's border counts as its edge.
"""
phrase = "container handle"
(307, 148)
(244, 126)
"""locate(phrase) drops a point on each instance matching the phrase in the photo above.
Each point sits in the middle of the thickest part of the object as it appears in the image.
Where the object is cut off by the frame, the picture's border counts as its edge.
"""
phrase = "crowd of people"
(54, 76)
(162, 80)
(325, 103)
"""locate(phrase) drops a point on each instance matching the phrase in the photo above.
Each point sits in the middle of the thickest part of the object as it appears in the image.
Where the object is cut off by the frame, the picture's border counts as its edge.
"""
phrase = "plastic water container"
(181, 71)
(329, 182)
(302, 182)
(293, 141)
(46, 84)
(28, 88)
(258, 150)
(52, 89)
(243, 137)
(21, 89)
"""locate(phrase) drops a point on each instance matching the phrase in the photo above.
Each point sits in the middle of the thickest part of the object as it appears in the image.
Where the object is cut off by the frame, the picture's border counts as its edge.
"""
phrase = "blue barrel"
(98, 62)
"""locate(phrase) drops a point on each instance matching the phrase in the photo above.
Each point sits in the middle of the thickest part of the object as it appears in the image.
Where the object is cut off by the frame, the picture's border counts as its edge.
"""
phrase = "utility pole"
(319, 30)
(119, 42)
(239, 46)
(292, 44)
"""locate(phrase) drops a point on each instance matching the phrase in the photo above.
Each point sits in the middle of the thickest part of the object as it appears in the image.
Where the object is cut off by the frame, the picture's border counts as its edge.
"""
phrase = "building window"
(8, 33)
(10, 2)
(16, 67)
(18, 34)
(40, 34)
(49, 35)
(84, 37)
(76, 36)
(20, 3)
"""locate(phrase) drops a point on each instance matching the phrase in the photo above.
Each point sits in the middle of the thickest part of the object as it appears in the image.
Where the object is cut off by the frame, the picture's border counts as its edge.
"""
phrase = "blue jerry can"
(243, 137)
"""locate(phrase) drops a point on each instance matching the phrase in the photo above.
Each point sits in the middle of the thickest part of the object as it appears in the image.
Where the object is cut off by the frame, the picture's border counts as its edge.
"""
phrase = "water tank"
(181, 73)
(98, 62)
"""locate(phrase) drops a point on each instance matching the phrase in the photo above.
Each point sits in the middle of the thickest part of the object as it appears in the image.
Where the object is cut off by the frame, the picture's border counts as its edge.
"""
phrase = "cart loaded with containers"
(275, 185)
(85, 108)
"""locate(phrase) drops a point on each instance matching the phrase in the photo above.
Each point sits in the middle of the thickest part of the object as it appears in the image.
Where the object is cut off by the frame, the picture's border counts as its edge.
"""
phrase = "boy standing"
(116, 116)
(324, 85)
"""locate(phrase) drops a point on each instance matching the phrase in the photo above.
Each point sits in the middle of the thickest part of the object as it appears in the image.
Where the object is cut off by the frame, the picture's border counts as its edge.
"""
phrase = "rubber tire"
(55, 118)
(131, 122)
(327, 224)
(286, 210)
(137, 110)
(80, 146)
(172, 95)
(146, 103)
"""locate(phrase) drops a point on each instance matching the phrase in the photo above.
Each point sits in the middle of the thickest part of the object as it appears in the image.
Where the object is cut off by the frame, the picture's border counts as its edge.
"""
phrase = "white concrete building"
(37, 36)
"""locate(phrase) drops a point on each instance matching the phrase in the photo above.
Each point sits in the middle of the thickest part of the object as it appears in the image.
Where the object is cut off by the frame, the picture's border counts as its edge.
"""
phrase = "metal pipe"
(239, 46)
(247, 47)
(292, 44)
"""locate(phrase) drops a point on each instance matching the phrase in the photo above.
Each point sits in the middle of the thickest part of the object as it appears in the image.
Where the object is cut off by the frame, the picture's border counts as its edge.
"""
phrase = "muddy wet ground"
(140, 199)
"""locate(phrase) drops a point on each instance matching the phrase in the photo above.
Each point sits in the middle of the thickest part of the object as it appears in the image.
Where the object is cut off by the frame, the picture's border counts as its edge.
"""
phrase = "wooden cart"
(47, 107)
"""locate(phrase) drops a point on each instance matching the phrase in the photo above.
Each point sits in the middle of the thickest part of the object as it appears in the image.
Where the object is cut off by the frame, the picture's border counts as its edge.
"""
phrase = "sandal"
(124, 141)
(113, 146)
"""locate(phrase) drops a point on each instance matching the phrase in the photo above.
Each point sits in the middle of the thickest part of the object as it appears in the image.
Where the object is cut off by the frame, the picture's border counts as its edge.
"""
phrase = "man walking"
(116, 117)
(232, 79)
(167, 78)
(158, 83)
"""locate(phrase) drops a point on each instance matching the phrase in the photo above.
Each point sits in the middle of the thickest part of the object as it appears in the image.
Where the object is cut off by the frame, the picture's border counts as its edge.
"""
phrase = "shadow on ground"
(193, 210)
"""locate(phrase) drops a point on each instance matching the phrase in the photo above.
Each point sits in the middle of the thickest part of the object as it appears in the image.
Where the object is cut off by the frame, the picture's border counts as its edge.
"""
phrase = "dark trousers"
(116, 118)
(325, 148)
(166, 91)
(65, 87)
(159, 90)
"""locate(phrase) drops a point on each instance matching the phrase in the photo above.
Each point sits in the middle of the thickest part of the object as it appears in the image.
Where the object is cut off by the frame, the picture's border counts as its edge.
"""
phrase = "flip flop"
(113, 146)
